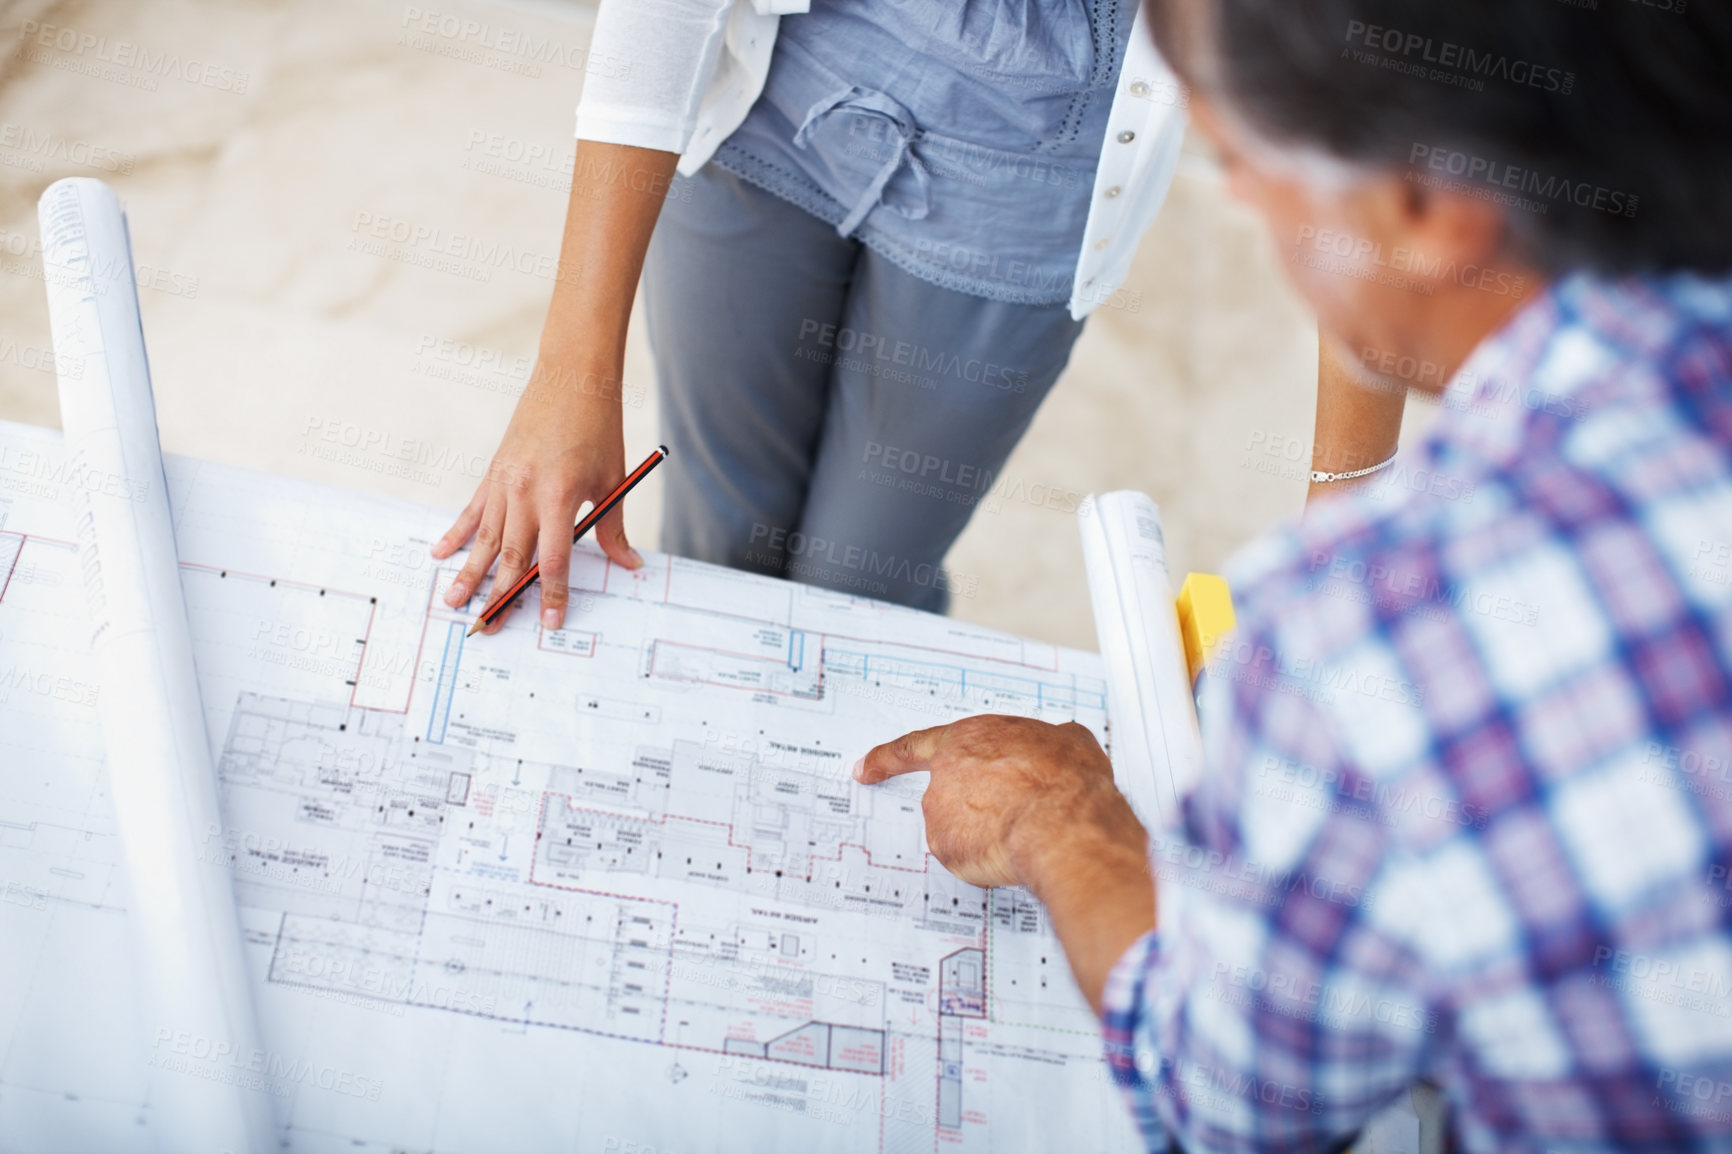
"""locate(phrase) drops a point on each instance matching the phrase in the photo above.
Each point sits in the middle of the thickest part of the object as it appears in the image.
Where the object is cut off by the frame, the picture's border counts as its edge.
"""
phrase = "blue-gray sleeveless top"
(958, 138)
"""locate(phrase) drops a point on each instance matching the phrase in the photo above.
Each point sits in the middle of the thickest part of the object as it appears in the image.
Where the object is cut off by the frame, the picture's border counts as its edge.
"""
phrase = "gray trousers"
(832, 419)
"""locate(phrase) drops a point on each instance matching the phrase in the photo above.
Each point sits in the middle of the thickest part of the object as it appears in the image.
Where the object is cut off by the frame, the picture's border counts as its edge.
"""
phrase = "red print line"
(7, 584)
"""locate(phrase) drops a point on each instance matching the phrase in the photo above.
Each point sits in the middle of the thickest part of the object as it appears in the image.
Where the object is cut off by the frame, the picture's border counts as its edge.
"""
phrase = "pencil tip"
(475, 628)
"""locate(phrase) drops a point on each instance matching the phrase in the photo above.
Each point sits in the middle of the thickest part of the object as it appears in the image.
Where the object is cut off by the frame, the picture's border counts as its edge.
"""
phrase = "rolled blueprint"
(205, 1092)
(1156, 750)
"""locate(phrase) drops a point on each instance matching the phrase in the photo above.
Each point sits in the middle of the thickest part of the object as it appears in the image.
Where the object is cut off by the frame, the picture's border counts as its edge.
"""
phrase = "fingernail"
(635, 558)
(860, 770)
(550, 618)
(457, 594)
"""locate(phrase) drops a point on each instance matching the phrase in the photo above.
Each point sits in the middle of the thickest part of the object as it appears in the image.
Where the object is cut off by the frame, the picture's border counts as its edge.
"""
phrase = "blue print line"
(440, 715)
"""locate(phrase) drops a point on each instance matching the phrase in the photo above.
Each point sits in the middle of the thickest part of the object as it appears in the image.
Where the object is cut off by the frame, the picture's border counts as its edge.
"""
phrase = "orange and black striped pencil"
(504, 600)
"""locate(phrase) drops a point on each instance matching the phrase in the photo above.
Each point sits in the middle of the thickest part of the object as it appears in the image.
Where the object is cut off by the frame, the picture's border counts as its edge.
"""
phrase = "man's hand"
(1018, 802)
(1000, 785)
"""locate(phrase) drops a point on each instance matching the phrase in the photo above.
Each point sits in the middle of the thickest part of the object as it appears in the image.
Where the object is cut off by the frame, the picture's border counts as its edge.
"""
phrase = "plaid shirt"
(1468, 815)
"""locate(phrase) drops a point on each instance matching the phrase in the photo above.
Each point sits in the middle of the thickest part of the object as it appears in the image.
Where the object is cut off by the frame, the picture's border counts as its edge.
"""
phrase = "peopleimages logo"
(839, 564)
(469, 38)
(1411, 52)
(1343, 253)
(865, 347)
(123, 56)
(33, 148)
(1474, 170)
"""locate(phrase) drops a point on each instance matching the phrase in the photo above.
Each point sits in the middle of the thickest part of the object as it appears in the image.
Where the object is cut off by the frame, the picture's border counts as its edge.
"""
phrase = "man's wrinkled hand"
(1004, 790)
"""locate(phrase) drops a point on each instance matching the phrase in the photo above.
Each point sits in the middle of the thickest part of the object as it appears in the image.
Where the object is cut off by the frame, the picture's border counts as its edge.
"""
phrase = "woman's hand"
(564, 447)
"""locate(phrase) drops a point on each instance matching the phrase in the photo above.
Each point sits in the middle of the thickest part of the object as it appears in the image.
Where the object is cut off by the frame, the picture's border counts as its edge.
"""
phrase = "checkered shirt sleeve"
(1468, 807)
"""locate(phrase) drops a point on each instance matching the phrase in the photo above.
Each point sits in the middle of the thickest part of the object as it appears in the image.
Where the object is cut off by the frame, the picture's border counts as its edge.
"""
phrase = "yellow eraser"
(1205, 616)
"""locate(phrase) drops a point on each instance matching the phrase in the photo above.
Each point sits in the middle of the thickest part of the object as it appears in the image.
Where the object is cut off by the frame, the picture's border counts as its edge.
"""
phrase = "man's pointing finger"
(910, 753)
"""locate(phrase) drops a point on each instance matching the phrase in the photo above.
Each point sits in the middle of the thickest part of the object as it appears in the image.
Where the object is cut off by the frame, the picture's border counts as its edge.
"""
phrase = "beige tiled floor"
(256, 142)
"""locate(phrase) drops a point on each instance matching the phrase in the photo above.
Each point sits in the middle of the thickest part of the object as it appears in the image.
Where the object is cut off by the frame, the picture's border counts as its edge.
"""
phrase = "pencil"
(504, 600)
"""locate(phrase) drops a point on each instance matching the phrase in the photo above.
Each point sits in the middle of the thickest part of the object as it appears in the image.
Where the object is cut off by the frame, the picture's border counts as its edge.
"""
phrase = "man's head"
(1426, 165)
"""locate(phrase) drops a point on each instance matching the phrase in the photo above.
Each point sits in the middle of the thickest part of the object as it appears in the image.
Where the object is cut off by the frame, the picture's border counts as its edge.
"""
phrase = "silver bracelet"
(1322, 478)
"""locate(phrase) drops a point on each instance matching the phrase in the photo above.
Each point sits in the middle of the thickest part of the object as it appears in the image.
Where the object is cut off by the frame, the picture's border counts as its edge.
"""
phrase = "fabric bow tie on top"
(900, 127)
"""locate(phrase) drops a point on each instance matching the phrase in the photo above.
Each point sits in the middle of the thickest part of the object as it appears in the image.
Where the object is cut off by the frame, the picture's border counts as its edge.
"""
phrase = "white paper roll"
(1157, 751)
(206, 1093)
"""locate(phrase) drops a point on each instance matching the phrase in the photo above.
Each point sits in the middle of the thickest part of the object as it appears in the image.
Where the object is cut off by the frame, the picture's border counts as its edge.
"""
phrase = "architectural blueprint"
(607, 888)
(568, 889)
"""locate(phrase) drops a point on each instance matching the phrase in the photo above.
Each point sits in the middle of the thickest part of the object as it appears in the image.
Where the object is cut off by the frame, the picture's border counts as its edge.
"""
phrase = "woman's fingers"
(555, 564)
(517, 514)
(463, 526)
(487, 536)
(610, 535)
(516, 549)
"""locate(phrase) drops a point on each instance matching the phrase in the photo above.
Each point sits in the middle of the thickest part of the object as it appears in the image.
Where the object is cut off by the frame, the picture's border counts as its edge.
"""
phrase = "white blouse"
(680, 75)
